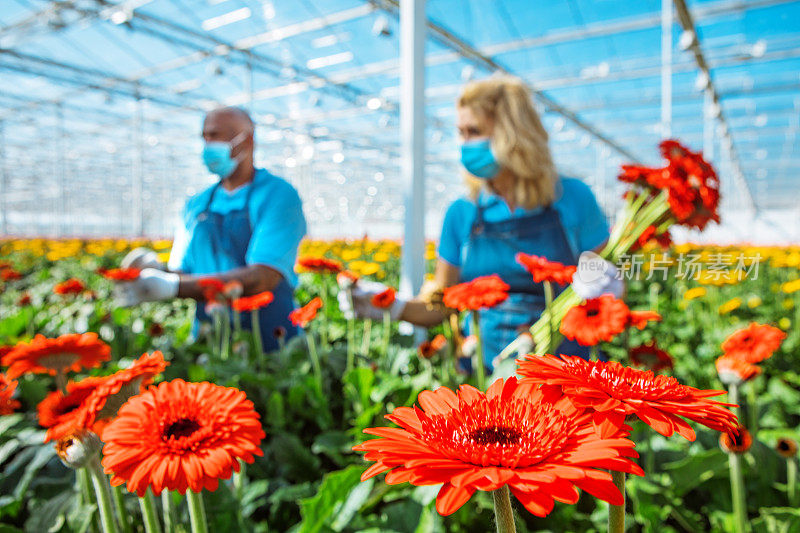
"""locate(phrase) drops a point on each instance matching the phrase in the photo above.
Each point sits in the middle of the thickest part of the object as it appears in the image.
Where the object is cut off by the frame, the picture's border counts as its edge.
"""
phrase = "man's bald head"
(230, 124)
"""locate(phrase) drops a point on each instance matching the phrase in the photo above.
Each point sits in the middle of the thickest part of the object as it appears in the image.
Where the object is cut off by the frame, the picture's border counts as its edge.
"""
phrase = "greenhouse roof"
(102, 102)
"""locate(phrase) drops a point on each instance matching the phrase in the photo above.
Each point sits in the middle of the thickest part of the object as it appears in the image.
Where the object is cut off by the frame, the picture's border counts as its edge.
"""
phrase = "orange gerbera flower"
(754, 343)
(114, 390)
(256, 301)
(735, 370)
(319, 264)
(120, 274)
(639, 319)
(428, 349)
(7, 388)
(650, 356)
(738, 443)
(71, 286)
(483, 291)
(9, 274)
(302, 316)
(384, 299)
(345, 279)
(212, 288)
(70, 352)
(613, 392)
(595, 320)
(543, 270)
(61, 414)
(180, 436)
(509, 436)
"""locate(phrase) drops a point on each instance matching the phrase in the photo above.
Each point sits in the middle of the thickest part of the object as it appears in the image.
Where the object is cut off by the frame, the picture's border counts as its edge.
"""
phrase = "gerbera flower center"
(181, 428)
(592, 312)
(495, 435)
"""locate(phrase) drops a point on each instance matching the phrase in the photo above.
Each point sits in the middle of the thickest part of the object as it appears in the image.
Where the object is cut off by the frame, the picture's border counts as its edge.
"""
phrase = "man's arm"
(254, 279)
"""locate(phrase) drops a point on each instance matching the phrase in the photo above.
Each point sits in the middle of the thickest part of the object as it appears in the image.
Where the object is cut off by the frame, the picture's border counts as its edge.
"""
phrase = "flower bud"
(738, 443)
(76, 449)
(786, 447)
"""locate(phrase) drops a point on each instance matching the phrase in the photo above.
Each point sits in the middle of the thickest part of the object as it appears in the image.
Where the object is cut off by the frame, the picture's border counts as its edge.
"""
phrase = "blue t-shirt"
(584, 222)
(276, 220)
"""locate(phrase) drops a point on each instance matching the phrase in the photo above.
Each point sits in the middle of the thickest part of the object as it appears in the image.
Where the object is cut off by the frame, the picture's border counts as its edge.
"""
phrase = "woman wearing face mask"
(517, 202)
(246, 227)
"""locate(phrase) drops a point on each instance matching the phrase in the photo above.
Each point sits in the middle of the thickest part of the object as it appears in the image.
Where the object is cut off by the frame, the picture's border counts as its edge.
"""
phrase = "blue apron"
(228, 237)
(491, 249)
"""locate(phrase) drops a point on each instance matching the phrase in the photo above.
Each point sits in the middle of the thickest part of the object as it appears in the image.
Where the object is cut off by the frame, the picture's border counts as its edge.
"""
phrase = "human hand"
(142, 258)
(357, 301)
(152, 285)
(595, 276)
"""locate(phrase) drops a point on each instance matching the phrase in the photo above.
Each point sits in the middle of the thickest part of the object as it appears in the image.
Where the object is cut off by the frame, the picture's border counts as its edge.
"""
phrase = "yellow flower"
(349, 255)
(430, 254)
(787, 303)
(380, 257)
(791, 286)
(730, 305)
(369, 268)
(784, 323)
(695, 292)
(753, 302)
(719, 278)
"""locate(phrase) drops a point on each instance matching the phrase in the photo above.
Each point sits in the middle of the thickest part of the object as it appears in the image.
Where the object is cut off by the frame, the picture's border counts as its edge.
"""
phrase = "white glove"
(595, 276)
(361, 293)
(142, 258)
(152, 285)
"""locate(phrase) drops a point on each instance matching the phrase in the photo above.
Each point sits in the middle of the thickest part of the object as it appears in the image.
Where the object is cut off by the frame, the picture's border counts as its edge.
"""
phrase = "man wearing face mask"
(517, 202)
(245, 227)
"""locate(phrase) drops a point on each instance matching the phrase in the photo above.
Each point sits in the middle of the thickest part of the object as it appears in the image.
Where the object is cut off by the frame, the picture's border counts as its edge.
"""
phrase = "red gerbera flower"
(345, 279)
(9, 274)
(649, 235)
(257, 301)
(120, 274)
(212, 288)
(595, 320)
(7, 388)
(384, 299)
(735, 370)
(543, 270)
(483, 291)
(754, 343)
(114, 390)
(302, 316)
(613, 392)
(319, 264)
(61, 414)
(650, 356)
(428, 349)
(510, 436)
(639, 319)
(24, 300)
(70, 352)
(737, 443)
(180, 436)
(71, 286)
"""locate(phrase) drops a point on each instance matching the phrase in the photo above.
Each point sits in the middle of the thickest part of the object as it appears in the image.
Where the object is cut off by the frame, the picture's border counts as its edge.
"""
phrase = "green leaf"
(333, 495)
(333, 444)
(693, 471)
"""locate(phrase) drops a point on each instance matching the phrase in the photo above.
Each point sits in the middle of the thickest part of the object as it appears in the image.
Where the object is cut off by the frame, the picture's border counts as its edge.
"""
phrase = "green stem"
(255, 324)
(366, 337)
(226, 338)
(61, 382)
(351, 336)
(503, 513)
(548, 298)
(217, 333)
(323, 322)
(149, 515)
(312, 350)
(387, 333)
(480, 367)
(168, 511)
(119, 507)
(237, 323)
(593, 352)
(616, 513)
(197, 512)
(103, 493)
(791, 481)
(752, 407)
(239, 481)
(737, 493)
(86, 491)
(733, 397)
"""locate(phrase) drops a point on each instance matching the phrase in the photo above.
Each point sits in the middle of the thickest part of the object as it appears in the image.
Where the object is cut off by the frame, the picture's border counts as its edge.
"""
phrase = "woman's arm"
(420, 312)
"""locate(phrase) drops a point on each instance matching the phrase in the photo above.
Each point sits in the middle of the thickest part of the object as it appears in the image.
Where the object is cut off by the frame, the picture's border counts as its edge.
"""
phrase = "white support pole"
(4, 181)
(666, 68)
(412, 133)
(248, 86)
(709, 125)
(137, 170)
(60, 222)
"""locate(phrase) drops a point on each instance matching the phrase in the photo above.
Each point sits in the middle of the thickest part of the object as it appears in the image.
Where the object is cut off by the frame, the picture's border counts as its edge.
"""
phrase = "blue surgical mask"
(217, 157)
(478, 159)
